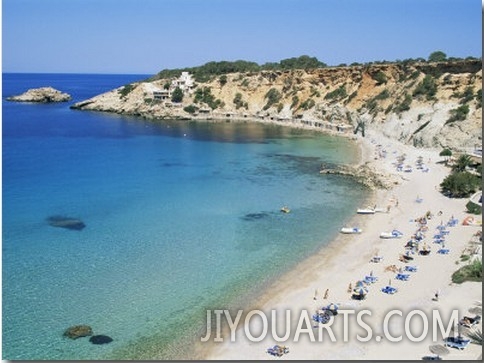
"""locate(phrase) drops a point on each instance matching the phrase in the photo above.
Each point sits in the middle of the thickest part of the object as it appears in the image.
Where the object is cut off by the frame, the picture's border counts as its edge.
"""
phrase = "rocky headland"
(424, 104)
(41, 95)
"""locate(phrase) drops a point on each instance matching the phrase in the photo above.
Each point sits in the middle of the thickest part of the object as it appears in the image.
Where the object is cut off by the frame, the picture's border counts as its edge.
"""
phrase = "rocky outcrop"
(100, 339)
(411, 103)
(41, 95)
(366, 174)
(78, 331)
(66, 222)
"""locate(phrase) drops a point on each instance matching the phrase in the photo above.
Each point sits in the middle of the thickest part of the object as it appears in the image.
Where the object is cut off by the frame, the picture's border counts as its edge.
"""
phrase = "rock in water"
(100, 339)
(66, 222)
(78, 331)
(41, 95)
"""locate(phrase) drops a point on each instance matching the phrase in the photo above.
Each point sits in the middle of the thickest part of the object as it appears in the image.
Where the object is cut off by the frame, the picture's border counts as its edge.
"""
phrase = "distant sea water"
(180, 217)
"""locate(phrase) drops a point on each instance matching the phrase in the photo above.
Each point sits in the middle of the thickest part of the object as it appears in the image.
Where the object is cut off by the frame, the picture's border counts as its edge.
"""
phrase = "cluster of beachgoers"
(399, 253)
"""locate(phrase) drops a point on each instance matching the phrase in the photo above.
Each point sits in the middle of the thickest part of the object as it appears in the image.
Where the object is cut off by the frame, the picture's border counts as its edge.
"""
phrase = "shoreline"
(345, 260)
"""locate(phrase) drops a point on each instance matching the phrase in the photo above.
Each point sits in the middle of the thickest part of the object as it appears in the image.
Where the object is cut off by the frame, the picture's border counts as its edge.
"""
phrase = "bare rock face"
(41, 95)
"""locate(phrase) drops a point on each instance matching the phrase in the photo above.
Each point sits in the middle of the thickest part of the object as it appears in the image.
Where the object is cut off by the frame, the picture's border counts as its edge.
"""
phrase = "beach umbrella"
(360, 291)
(332, 306)
(475, 310)
(439, 349)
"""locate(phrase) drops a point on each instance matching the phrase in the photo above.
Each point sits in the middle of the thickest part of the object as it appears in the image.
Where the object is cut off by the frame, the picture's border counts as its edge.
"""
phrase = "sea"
(180, 217)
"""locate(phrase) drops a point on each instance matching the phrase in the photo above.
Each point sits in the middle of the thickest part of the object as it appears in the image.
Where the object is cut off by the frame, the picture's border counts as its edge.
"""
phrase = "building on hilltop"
(185, 82)
(157, 93)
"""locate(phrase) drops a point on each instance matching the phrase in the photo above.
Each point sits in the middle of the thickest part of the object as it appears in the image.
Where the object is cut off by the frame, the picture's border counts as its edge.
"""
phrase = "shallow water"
(179, 216)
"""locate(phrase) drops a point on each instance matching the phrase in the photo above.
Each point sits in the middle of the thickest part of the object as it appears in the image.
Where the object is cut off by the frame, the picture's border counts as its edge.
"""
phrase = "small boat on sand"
(392, 234)
(350, 230)
(367, 210)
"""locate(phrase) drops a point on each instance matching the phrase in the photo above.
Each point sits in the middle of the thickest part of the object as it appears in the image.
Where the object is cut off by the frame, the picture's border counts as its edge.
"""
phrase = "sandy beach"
(347, 260)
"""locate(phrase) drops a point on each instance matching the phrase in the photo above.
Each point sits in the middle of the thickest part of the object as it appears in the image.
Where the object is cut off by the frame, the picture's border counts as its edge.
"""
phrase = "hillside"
(424, 104)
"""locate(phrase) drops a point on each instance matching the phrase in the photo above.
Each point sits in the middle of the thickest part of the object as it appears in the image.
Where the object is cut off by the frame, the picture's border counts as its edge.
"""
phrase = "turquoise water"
(180, 217)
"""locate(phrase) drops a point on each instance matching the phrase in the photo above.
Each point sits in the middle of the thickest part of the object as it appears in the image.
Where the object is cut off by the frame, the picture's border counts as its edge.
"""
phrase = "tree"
(460, 184)
(437, 56)
(222, 80)
(462, 162)
(177, 95)
(447, 153)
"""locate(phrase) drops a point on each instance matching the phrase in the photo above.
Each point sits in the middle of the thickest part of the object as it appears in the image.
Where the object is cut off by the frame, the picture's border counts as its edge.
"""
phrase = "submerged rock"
(100, 339)
(41, 95)
(78, 331)
(255, 216)
(66, 222)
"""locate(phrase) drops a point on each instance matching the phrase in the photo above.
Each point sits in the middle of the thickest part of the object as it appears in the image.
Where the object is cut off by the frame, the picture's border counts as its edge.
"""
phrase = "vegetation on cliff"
(425, 102)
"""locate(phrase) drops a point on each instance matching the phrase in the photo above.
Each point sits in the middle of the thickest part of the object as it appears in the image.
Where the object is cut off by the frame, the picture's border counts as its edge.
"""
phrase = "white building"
(185, 82)
(157, 93)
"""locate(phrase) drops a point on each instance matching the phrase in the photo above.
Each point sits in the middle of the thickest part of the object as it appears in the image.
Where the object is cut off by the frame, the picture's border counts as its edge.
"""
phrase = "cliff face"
(424, 104)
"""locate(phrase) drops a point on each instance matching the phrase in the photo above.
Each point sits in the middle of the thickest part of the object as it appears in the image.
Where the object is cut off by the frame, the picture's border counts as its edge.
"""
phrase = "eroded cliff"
(424, 104)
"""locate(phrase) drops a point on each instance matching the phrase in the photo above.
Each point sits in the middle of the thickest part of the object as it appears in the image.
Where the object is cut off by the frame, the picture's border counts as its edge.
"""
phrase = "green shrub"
(239, 102)
(191, 109)
(467, 95)
(222, 80)
(382, 95)
(126, 90)
(426, 88)
(353, 95)
(405, 104)
(338, 93)
(460, 184)
(479, 98)
(458, 114)
(415, 75)
(371, 105)
(471, 272)
(473, 208)
(308, 104)
(273, 96)
(295, 101)
(380, 78)
(464, 258)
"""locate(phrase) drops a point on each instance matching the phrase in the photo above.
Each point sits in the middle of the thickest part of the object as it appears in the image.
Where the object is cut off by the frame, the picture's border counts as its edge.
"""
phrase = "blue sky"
(146, 36)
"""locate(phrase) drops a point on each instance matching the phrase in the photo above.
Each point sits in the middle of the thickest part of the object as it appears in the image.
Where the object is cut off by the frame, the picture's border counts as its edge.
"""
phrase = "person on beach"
(315, 294)
(326, 294)
(350, 288)
(436, 296)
